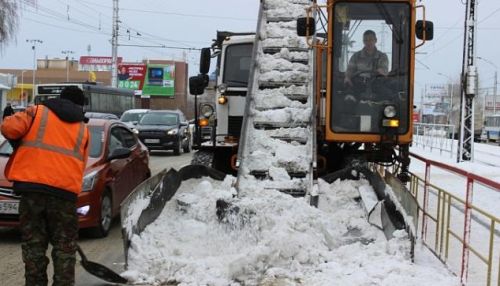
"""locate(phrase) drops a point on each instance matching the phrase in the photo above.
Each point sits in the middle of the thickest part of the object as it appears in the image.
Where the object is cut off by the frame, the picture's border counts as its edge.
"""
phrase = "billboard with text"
(131, 76)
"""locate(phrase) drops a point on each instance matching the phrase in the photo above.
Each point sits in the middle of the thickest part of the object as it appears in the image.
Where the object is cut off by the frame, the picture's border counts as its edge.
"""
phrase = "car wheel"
(178, 148)
(105, 217)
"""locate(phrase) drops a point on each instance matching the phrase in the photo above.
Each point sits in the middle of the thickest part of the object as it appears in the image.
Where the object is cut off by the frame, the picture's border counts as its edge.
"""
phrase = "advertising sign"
(160, 79)
(90, 63)
(131, 76)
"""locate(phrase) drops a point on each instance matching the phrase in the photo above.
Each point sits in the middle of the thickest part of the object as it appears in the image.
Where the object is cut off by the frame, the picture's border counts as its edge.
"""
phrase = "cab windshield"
(371, 65)
(237, 65)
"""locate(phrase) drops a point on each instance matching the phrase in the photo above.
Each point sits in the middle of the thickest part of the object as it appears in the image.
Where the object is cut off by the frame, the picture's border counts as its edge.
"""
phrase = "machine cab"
(370, 71)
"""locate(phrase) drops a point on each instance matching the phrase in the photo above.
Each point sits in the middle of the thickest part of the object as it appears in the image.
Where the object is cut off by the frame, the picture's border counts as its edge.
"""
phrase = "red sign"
(88, 60)
(416, 117)
(131, 76)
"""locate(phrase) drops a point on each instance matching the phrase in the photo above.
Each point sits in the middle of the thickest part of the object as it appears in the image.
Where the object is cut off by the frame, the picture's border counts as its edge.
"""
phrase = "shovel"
(99, 270)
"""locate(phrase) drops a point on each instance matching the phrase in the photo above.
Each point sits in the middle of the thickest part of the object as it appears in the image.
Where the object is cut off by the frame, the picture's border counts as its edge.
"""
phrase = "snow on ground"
(273, 239)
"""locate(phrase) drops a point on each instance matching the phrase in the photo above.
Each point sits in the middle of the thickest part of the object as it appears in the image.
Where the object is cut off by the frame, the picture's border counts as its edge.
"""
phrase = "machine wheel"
(187, 148)
(202, 157)
(105, 218)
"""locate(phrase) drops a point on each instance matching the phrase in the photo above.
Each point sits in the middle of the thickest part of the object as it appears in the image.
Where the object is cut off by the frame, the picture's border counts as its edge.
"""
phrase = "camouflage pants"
(45, 219)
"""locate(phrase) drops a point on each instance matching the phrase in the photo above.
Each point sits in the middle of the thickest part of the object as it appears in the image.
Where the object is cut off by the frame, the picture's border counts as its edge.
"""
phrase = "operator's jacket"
(51, 149)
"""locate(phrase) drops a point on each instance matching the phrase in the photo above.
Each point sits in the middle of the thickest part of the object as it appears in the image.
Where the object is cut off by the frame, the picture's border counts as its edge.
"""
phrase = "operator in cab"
(366, 64)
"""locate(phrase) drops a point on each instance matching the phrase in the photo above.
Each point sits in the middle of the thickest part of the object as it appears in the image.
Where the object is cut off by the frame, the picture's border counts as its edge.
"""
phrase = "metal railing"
(453, 227)
(434, 137)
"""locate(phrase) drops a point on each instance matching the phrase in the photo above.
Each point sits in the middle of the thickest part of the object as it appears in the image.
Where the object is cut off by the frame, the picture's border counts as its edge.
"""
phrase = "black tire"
(202, 157)
(105, 217)
(178, 148)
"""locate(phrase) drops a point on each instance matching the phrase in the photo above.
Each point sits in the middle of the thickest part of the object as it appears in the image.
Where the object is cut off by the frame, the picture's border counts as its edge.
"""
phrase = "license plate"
(9, 207)
(151, 140)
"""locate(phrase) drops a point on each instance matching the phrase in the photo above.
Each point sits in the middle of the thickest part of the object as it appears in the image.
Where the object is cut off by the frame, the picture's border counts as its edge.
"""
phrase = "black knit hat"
(74, 94)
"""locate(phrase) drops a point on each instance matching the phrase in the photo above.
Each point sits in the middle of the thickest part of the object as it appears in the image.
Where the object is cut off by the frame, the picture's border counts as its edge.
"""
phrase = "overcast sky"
(76, 24)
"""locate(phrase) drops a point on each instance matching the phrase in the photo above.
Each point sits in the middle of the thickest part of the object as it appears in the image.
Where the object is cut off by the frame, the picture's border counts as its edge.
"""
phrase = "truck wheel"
(205, 158)
(187, 148)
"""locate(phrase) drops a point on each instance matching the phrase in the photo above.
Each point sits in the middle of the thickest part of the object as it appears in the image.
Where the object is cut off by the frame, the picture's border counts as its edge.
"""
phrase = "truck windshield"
(237, 65)
(371, 65)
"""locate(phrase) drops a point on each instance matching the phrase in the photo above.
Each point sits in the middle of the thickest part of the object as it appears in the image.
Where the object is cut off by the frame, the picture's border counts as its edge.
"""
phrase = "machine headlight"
(172, 132)
(390, 111)
(222, 99)
(206, 110)
(88, 181)
(135, 131)
(222, 88)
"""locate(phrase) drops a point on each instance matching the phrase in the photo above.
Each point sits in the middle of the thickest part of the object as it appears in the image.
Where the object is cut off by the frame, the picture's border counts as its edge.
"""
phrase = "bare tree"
(8, 21)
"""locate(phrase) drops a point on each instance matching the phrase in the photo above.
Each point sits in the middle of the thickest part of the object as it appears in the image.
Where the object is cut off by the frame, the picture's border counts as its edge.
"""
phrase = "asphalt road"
(107, 251)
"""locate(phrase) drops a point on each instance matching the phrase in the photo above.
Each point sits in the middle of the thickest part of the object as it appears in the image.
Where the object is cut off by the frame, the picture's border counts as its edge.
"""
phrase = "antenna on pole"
(114, 44)
(469, 85)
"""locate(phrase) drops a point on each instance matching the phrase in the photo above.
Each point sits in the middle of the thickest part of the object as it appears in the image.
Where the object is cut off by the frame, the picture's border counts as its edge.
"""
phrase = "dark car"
(165, 130)
(117, 163)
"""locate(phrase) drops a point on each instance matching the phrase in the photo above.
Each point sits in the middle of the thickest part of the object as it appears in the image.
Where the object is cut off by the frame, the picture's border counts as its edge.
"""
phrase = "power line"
(160, 46)
(174, 13)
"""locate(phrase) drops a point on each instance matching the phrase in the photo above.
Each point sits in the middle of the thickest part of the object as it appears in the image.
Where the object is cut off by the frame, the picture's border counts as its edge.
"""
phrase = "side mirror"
(135, 122)
(119, 153)
(204, 60)
(183, 124)
(424, 34)
(306, 26)
(196, 85)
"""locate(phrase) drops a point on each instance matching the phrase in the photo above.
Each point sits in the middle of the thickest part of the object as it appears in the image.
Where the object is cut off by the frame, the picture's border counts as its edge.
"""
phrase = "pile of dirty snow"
(270, 238)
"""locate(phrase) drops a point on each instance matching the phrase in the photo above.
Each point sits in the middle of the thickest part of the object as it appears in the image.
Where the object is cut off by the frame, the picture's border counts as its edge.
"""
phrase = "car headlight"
(172, 132)
(88, 181)
(206, 110)
(390, 111)
(135, 131)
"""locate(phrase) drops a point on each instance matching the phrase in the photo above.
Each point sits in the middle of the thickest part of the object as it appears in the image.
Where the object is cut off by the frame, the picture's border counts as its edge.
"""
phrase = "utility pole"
(114, 45)
(34, 42)
(469, 85)
(67, 52)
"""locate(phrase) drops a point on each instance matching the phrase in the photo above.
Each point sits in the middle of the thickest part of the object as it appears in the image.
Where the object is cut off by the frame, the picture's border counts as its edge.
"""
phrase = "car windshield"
(157, 118)
(96, 143)
(132, 116)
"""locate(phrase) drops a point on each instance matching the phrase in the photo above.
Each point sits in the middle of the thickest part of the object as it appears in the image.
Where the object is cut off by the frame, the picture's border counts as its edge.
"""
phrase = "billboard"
(90, 63)
(159, 80)
(131, 76)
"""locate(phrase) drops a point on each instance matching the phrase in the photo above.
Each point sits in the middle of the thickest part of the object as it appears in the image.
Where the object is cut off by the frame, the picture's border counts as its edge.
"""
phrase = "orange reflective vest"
(52, 152)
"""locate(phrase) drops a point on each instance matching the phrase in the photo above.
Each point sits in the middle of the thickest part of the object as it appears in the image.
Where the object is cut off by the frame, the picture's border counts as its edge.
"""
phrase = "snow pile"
(269, 238)
(266, 152)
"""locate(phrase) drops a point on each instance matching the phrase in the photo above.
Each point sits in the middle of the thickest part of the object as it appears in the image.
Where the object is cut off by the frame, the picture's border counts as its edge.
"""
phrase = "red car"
(117, 163)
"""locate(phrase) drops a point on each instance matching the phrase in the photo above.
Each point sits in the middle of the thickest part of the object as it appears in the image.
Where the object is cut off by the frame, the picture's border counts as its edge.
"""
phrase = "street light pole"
(33, 47)
(22, 90)
(67, 52)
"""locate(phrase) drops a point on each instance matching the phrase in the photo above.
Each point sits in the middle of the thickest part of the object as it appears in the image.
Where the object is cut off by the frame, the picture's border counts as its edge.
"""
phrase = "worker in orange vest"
(51, 147)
